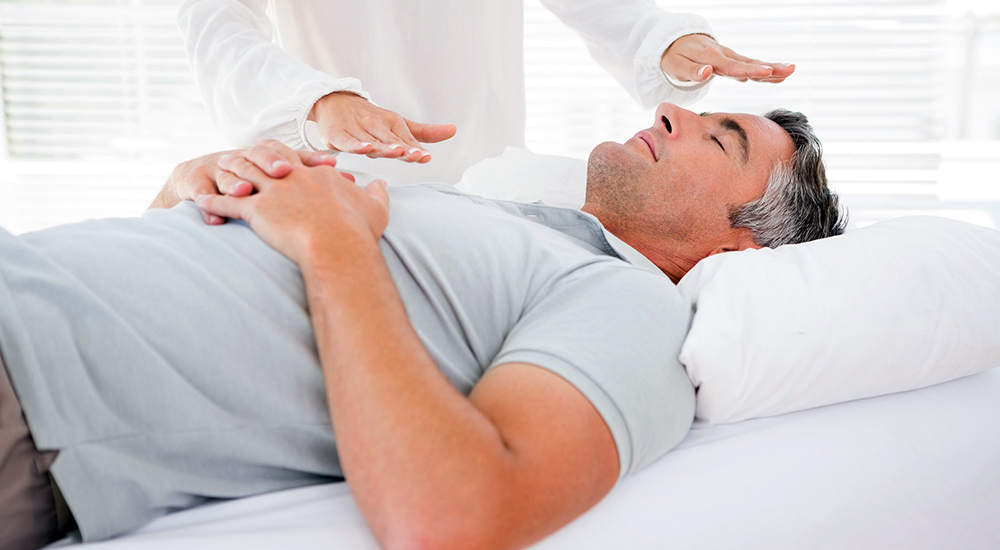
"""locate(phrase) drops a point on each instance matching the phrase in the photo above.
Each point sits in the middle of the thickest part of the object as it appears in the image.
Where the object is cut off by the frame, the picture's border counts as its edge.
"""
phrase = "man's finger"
(244, 169)
(286, 152)
(378, 190)
(225, 207)
(319, 158)
(204, 183)
(229, 184)
(269, 160)
(211, 219)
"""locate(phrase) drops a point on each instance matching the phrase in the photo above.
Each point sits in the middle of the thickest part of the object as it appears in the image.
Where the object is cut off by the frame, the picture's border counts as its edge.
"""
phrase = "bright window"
(902, 92)
(98, 104)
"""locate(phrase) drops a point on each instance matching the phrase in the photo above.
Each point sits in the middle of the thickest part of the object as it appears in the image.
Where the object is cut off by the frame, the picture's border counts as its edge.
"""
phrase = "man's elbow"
(452, 538)
(437, 529)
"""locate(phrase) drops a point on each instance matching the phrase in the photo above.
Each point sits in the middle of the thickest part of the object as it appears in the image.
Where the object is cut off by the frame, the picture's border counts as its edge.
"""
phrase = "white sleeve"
(628, 37)
(250, 86)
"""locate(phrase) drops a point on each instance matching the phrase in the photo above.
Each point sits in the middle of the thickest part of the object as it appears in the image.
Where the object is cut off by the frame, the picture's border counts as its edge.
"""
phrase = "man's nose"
(670, 120)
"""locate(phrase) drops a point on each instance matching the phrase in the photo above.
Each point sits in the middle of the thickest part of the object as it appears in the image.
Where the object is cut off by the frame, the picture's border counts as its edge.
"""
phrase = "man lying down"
(480, 372)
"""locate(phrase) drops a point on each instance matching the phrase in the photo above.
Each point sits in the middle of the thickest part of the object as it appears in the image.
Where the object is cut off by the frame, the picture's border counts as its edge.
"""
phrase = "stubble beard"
(616, 191)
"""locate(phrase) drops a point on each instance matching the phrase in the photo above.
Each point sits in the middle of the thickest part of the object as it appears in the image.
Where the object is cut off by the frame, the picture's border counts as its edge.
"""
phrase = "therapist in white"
(356, 68)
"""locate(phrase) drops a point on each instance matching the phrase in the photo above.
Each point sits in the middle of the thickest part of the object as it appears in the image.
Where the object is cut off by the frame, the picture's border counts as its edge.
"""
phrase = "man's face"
(672, 186)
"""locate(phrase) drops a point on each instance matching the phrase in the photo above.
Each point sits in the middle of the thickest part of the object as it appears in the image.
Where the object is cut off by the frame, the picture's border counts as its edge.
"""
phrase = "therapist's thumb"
(431, 133)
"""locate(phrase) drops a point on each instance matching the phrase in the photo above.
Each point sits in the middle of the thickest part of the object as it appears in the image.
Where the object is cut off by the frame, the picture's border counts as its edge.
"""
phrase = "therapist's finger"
(394, 141)
(686, 70)
(740, 70)
(414, 150)
(341, 140)
(740, 67)
(317, 158)
(380, 143)
(393, 130)
(696, 57)
(431, 133)
(690, 58)
(781, 72)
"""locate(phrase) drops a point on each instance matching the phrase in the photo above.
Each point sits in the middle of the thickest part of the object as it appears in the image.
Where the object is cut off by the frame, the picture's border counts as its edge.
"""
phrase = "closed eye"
(715, 139)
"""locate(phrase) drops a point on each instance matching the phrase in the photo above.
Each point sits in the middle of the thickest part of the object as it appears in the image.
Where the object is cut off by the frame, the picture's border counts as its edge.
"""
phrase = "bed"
(910, 470)
(880, 432)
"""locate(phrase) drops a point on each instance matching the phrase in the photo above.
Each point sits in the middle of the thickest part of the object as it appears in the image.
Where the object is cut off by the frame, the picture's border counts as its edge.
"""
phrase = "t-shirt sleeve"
(614, 332)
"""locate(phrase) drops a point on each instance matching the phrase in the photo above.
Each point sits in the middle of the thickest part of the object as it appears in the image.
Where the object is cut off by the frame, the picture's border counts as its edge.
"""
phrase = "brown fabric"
(27, 508)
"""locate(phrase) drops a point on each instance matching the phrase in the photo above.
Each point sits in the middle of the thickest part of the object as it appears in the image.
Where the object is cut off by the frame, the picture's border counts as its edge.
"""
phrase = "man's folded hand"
(306, 210)
(204, 175)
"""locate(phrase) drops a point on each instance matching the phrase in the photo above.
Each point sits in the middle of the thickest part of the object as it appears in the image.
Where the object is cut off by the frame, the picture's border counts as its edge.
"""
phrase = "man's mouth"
(648, 140)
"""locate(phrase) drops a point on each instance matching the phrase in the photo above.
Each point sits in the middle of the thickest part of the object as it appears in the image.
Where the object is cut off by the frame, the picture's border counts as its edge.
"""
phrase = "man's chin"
(614, 174)
(600, 161)
(608, 153)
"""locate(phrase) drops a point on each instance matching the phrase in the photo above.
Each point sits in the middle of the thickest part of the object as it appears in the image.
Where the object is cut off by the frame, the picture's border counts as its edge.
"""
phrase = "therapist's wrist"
(696, 73)
(327, 106)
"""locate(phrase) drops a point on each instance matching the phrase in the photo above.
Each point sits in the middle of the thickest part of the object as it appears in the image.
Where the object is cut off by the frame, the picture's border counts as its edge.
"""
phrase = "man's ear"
(739, 238)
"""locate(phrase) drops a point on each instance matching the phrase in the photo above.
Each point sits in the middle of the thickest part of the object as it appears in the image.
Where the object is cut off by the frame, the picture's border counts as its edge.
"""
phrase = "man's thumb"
(377, 190)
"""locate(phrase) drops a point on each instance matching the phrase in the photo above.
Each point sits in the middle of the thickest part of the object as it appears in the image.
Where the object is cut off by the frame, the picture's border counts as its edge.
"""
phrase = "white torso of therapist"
(449, 61)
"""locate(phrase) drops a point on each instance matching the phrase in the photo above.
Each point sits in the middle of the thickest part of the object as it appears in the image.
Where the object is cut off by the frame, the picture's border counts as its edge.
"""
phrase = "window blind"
(98, 103)
(98, 106)
(98, 81)
(880, 81)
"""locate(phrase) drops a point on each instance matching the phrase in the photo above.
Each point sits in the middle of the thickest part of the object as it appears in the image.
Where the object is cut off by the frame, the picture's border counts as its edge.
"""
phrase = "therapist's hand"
(696, 57)
(350, 123)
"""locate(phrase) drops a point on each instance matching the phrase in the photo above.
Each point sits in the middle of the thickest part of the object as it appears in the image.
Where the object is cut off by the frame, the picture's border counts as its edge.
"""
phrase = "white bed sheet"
(915, 470)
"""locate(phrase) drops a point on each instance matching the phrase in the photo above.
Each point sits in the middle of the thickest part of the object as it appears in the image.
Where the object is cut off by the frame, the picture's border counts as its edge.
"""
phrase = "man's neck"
(657, 250)
(672, 266)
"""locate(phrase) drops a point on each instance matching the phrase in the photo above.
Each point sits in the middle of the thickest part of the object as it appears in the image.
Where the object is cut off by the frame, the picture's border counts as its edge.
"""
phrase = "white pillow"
(898, 305)
(522, 176)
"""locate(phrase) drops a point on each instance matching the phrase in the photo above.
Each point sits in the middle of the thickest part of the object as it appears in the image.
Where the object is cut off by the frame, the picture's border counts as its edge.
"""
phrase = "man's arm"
(523, 455)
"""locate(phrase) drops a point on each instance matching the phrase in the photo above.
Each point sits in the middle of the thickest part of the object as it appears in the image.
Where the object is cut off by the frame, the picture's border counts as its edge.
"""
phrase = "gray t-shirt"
(172, 362)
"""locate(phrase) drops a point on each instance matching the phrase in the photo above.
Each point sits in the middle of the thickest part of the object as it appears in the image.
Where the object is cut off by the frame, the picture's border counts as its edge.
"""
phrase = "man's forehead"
(765, 136)
(768, 128)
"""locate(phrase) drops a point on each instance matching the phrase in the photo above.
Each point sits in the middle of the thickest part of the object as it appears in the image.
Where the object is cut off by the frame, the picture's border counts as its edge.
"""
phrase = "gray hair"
(797, 205)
